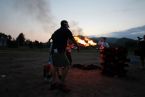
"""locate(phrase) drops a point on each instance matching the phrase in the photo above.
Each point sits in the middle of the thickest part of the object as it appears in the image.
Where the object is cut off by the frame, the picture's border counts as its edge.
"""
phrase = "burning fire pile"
(84, 41)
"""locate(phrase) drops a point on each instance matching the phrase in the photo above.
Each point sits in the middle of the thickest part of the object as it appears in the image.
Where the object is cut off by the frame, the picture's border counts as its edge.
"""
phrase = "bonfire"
(85, 41)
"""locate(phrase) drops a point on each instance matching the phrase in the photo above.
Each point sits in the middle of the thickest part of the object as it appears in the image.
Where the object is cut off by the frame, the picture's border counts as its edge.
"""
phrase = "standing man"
(60, 60)
(142, 52)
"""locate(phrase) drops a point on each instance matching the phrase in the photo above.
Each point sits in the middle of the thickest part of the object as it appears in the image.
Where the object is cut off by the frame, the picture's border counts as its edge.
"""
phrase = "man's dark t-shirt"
(60, 38)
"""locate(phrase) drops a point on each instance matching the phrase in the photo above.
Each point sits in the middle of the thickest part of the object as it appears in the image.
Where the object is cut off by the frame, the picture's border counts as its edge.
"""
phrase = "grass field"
(21, 75)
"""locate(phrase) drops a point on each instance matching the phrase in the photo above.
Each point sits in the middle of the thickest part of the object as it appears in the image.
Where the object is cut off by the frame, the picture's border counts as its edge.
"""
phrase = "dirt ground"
(21, 75)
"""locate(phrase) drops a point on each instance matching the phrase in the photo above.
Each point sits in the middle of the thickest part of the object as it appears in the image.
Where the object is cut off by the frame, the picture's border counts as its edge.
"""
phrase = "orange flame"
(85, 42)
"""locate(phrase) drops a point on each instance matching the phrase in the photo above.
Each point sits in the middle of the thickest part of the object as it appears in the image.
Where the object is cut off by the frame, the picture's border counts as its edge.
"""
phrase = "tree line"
(19, 41)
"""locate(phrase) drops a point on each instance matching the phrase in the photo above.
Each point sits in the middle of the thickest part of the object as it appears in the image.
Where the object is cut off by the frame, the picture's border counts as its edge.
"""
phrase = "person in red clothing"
(69, 48)
(102, 46)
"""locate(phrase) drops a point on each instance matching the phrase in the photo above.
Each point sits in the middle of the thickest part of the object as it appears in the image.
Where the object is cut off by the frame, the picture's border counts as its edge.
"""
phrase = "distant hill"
(109, 39)
(125, 42)
(132, 33)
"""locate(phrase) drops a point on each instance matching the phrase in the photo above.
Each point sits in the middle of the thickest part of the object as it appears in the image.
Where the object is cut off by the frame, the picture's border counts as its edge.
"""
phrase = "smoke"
(76, 30)
(39, 10)
(32, 17)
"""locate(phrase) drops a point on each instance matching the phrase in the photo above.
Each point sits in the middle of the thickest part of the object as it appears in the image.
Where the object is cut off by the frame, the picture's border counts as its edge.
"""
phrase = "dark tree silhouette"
(3, 40)
(36, 43)
(9, 40)
(20, 39)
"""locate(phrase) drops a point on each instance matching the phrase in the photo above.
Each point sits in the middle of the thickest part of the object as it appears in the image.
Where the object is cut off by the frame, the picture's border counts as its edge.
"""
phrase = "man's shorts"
(60, 60)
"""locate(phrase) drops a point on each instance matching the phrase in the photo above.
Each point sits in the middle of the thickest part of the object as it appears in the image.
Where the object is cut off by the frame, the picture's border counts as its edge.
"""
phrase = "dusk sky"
(38, 19)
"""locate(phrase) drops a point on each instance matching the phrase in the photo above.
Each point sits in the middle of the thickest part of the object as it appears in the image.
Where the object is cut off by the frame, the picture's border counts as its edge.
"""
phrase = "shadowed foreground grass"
(21, 76)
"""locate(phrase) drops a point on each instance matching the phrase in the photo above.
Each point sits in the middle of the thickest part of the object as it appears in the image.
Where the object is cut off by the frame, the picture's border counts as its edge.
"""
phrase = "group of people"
(62, 43)
(140, 49)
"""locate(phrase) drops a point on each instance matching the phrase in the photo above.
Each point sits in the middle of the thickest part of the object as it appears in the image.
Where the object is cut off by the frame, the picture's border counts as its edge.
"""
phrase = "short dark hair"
(64, 23)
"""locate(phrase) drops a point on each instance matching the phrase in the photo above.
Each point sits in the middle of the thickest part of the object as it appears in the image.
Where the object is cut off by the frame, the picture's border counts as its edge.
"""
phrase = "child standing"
(69, 50)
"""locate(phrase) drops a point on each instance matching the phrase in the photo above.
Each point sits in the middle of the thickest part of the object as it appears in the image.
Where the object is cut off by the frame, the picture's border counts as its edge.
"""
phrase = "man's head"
(64, 23)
